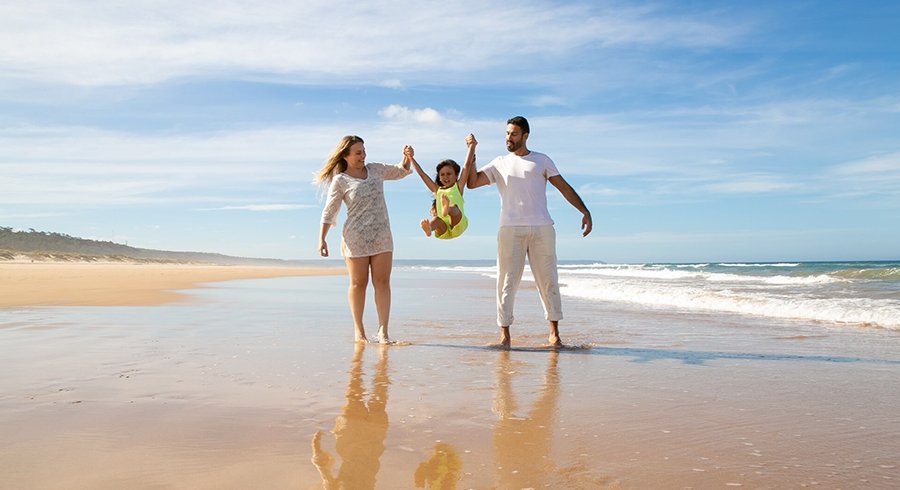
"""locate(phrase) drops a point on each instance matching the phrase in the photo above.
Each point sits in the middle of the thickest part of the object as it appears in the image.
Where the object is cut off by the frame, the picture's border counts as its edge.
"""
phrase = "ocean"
(833, 294)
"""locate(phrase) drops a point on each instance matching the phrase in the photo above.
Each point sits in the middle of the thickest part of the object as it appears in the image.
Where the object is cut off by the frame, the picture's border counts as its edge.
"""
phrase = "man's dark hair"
(521, 122)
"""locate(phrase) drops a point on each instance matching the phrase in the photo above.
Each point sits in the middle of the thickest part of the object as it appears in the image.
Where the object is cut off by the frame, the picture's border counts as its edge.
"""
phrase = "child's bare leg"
(438, 226)
(445, 205)
(455, 215)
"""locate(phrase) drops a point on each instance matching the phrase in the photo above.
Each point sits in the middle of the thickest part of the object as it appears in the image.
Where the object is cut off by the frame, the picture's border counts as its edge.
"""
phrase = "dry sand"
(117, 284)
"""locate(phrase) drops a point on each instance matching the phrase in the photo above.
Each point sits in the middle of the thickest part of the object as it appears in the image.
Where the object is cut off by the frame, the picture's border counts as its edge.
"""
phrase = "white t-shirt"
(522, 184)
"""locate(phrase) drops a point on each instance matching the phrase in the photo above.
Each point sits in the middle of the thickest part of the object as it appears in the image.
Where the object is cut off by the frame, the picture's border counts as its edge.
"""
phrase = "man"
(526, 228)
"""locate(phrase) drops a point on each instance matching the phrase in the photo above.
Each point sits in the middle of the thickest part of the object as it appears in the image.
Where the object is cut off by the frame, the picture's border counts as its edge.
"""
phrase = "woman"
(366, 244)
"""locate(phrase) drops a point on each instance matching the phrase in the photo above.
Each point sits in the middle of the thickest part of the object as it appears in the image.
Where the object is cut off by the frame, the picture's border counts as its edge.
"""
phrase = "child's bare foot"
(426, 227)
(445, 205)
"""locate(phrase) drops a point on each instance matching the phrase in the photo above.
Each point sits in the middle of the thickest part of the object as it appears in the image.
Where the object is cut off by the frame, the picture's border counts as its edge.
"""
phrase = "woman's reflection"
(359, 431)
(522, 444)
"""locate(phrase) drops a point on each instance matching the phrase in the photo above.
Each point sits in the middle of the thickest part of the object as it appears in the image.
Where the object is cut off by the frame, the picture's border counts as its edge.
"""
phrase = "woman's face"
(356, 156)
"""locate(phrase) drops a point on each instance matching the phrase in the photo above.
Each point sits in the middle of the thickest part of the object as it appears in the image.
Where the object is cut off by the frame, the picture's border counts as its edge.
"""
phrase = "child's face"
(447, 176)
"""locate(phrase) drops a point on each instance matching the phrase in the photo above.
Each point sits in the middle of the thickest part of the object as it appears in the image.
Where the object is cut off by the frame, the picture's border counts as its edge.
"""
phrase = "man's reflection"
(359, 431)
(522, 443)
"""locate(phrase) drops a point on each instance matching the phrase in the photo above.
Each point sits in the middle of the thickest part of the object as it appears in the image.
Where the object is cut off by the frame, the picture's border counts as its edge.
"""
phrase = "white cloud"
(107, 42)
(76, 165)
(874, 177)
(751, 184)
(599, 191)
(426, 115)
(392, 83)
(61, 165)
(879, 166)
(262, 207)
(547, 100)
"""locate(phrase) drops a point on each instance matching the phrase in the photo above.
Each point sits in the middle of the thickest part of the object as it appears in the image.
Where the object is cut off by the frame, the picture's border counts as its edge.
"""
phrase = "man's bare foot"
(445, 205)
(555, 341)
(426, 227)
(504, 338)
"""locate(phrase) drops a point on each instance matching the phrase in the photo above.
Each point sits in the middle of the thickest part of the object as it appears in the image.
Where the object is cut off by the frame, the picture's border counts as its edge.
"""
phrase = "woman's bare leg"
(358, 270)
(381, 281)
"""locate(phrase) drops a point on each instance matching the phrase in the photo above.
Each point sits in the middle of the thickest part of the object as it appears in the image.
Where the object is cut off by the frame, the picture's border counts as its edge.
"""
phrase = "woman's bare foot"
(383, 336)
(426, 227)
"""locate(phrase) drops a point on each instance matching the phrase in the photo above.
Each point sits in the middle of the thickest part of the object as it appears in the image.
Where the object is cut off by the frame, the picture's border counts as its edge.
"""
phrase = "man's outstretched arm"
(575, 200)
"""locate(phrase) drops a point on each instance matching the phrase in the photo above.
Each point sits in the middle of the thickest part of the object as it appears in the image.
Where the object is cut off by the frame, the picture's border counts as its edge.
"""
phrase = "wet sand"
(257, 384)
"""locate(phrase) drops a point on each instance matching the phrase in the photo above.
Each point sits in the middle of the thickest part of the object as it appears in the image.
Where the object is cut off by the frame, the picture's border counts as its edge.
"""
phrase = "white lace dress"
(367, 230)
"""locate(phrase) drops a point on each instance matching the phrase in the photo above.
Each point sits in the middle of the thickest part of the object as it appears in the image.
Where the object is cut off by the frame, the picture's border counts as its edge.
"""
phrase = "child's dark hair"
(451, 163)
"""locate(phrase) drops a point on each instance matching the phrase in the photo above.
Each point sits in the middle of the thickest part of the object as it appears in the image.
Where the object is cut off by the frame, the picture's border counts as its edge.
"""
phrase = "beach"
(25, 283)
(254, 381)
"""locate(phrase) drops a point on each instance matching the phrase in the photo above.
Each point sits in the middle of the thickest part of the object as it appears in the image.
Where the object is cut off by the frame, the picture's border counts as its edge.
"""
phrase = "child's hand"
(471, 141)
(408, 151)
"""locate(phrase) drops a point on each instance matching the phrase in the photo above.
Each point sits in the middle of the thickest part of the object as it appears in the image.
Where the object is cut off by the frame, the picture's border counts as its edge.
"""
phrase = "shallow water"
(231, 389)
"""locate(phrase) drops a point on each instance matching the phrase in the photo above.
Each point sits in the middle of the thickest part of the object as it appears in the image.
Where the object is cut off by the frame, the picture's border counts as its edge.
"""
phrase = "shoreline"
(26, 284)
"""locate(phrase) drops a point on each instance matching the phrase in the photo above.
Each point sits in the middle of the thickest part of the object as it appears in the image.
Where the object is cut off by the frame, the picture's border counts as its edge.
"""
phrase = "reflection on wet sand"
(522, 443)
(441, 471)
(359, 431)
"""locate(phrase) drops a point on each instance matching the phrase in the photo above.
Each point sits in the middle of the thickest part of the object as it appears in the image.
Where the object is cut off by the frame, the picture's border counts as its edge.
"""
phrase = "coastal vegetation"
(43, 246)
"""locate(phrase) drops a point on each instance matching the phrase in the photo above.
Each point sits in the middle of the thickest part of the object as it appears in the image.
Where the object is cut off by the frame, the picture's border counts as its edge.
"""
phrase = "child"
(448, 219)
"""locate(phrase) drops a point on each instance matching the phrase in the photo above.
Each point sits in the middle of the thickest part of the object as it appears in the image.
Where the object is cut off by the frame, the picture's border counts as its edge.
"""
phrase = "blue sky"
(695, 131)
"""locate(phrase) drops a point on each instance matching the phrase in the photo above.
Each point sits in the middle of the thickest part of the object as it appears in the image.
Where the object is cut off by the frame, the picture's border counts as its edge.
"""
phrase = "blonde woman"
(366, 242)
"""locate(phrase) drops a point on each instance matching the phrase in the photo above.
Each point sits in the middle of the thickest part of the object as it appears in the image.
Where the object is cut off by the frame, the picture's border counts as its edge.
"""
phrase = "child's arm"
(469, 164)
(425, 178)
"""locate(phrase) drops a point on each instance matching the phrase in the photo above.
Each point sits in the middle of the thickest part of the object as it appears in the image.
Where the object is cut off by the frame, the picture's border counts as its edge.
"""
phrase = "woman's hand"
(323, 248)
(408, 153)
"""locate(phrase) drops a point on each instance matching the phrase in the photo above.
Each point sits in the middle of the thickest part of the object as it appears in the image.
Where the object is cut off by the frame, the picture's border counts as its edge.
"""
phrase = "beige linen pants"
(514, 244)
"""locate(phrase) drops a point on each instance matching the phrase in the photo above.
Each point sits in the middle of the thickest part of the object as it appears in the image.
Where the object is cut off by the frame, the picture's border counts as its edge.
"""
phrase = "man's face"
(515, 138)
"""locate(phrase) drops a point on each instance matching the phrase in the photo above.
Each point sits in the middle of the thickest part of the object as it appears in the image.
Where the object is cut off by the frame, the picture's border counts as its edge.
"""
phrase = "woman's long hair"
(335, 163)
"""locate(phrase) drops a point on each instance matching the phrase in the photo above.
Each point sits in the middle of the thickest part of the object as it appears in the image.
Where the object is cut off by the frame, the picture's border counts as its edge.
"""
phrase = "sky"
(695, 131)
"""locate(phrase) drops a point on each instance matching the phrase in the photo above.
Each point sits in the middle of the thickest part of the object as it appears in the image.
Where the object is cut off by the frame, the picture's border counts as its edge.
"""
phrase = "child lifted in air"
(448, 218)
